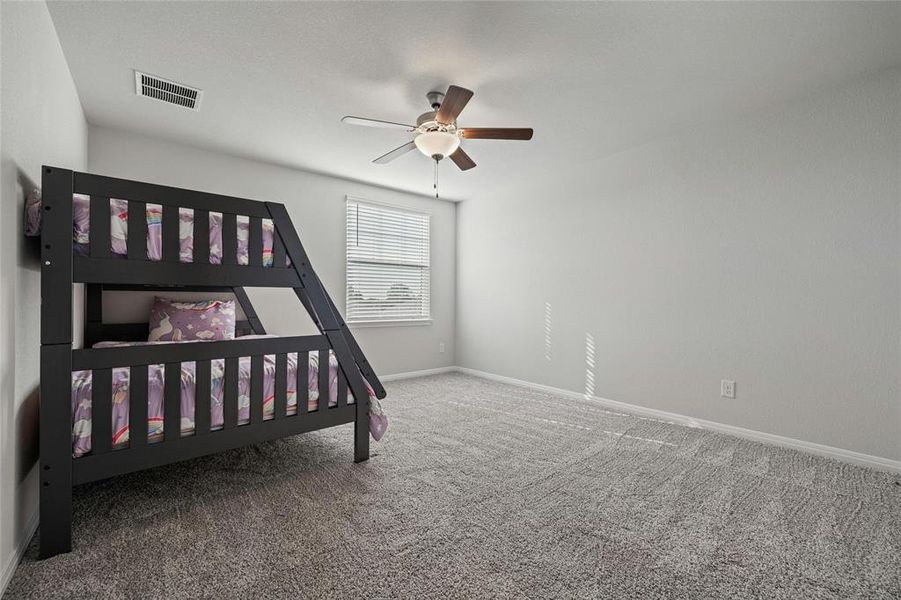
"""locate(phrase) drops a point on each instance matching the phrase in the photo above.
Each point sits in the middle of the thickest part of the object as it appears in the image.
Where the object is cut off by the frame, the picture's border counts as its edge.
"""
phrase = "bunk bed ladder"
(322, 310)
(356, 351)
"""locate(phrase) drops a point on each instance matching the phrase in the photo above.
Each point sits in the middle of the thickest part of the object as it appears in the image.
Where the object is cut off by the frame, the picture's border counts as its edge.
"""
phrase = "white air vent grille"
(167, 91)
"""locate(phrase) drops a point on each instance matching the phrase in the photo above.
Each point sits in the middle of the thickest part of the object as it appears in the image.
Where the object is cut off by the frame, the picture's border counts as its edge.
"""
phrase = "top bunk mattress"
(81, 230)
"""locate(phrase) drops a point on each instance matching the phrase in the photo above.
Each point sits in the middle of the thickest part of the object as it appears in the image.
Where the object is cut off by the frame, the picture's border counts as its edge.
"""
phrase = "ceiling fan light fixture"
(437, 143)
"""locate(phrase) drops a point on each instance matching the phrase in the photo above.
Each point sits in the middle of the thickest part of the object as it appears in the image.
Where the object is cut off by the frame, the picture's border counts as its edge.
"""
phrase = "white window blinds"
(387, 263)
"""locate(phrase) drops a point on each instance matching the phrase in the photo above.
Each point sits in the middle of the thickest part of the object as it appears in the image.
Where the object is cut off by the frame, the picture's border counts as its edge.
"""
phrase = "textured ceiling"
(591, 78)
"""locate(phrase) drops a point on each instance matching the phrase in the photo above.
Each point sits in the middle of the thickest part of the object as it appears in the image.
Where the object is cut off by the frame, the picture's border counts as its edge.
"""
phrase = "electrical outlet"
(727, 388)
(441, 347)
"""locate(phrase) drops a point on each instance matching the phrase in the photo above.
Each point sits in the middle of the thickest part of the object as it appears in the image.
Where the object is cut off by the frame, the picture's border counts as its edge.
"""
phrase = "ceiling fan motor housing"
(426, 121)
(425, 118)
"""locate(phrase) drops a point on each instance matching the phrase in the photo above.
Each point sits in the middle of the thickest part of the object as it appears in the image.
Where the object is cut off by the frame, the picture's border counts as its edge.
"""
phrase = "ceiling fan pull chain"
(436, 178)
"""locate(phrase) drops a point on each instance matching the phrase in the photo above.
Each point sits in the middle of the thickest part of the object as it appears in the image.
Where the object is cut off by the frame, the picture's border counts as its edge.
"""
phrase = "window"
(387, 264)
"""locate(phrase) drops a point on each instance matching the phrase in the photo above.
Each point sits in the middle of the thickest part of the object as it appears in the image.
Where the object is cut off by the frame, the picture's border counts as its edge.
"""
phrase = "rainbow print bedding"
(81, 397)
(81, 230)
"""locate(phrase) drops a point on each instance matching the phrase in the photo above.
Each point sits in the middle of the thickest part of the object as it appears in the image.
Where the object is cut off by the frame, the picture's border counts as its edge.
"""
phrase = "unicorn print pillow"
(176, 320)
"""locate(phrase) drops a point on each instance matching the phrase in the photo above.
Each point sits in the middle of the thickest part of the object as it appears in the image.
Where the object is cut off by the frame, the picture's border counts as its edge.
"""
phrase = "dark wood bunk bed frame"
(99, 270)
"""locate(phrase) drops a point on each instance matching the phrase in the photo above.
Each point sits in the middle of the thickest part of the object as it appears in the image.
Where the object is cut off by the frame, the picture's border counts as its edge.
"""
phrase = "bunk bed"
(234, 243)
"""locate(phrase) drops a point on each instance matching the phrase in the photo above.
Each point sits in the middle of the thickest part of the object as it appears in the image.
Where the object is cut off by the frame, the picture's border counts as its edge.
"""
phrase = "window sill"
(401, 323)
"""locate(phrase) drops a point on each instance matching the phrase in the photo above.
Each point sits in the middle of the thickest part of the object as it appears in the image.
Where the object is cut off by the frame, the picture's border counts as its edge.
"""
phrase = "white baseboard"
(13, 561)
(848, 456)
(412, 374)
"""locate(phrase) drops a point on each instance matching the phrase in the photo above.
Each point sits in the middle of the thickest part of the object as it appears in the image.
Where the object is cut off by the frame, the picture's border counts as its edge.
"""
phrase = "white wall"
(316, 204)
(765, 250)
(41, 123)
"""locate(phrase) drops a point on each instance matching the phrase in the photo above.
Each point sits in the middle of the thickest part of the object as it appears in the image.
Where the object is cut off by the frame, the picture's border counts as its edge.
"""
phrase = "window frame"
(405, 322)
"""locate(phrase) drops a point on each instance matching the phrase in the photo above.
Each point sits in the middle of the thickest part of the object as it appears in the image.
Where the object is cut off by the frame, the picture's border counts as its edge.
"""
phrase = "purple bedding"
(81, 397)
(81, 230)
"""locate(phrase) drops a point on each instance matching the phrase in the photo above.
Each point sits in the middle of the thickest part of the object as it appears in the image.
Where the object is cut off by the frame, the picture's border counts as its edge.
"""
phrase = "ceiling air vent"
(158, 88)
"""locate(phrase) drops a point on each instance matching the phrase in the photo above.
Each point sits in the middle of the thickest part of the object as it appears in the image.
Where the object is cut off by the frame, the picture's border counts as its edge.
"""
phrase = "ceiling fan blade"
(462, 160)
(496, 133)
(376, 123)
(454, 101)
(399, 151)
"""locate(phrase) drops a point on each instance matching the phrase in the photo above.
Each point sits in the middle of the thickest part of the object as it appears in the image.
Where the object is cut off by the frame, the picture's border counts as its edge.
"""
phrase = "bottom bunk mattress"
(82, 390)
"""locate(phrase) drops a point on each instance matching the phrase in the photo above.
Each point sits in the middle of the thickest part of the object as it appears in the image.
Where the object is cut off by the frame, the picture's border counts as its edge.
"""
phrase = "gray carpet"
(484, 490)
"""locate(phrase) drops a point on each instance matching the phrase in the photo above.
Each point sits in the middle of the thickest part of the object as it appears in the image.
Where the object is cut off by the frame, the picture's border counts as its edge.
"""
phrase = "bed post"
(56, 363)
(320, 307)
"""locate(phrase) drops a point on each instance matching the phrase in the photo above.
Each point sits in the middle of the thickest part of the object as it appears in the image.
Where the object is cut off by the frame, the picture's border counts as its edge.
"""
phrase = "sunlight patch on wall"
(589, 365)
(547, 331)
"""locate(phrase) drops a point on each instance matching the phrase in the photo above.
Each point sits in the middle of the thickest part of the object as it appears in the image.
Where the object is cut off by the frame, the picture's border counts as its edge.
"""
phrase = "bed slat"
(323, 379)
(303, 382)
(170, 233)
(230, 394)
(93, 314)
(255, 242)
(201, 236)
(342, 389)
(101, 410)
(99, 219)
(172, 401)
(281, 386)
(229, 239)
(137, 230)
(256, 389)
(137, 406)
(202, 393)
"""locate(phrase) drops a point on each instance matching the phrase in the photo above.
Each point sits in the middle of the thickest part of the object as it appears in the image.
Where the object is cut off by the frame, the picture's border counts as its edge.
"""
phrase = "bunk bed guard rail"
(103, 461)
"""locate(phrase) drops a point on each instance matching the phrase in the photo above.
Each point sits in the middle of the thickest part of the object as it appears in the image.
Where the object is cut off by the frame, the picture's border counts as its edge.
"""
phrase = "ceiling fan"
(436, 133)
